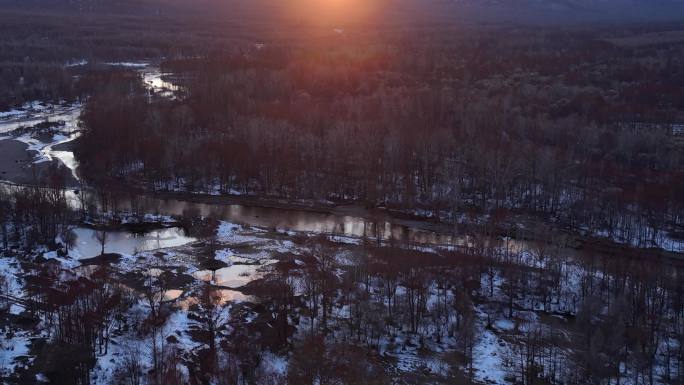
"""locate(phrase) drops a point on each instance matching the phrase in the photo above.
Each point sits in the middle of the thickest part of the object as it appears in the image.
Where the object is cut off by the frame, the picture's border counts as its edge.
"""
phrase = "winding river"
(342, 222)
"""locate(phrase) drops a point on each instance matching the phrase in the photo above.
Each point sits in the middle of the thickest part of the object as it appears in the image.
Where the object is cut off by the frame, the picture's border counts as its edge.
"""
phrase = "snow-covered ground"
(487, 358)
(249, 252)
(33, 113)
(14, 350)
(14, 343)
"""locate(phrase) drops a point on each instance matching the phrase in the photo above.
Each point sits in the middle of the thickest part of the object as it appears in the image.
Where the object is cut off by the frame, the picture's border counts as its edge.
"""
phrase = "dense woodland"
(558, 124)
(523, 142)
(365, 312)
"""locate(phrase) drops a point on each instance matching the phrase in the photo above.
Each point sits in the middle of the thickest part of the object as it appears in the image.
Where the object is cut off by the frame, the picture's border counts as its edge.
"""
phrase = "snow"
(13, 345)
(10, 270)
(130, 64)
(232, 233)
(16, 309)
(281, 246)
(107, 364)
(622, 234)
(153, 80)
(33, 113)
(272, 363)
(490, 353)
(224, 255)
(345, 239)
(412, 363)
(178, 325)
(504, 324)
(487, 359)
(11, 113)
(68, 262)
(157, 218)
(121, 346)
(66, 117)
(227, 230)
(76, 63)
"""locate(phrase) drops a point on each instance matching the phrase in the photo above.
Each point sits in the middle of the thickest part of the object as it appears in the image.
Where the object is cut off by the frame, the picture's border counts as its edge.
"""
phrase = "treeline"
(32, 216)
(559, 317)
(345, 314)
(366, 313)
(534, 124)
(79, 314)
(44, 43)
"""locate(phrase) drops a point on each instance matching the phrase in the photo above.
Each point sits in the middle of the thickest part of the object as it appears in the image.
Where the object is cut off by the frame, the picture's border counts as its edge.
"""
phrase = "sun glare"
(329, 12)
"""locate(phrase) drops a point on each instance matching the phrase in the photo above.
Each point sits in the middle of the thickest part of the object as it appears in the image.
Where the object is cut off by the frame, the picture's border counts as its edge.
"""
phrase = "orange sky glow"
(334, 12)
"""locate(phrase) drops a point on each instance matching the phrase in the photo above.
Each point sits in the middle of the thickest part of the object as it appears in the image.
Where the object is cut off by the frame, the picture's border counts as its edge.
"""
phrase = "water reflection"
(154, 81)
(66, 117)
(224, 296)
(382, 227)
(232, 276)
(88, 245)
(172, 294)
(373, 227)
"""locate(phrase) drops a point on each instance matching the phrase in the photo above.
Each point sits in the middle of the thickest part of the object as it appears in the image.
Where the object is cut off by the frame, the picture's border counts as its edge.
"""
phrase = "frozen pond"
(122, 242)
(232, 276)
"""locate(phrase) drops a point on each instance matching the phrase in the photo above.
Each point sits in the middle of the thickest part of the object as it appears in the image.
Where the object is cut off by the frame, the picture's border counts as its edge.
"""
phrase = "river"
(341, 222)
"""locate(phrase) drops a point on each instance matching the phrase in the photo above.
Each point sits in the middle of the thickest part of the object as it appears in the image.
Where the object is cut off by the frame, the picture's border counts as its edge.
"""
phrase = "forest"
(562, 127)
(339, 193)
(339, 309)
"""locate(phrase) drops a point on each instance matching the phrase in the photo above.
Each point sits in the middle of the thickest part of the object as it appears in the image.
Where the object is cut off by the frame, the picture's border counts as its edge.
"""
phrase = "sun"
(335, 12)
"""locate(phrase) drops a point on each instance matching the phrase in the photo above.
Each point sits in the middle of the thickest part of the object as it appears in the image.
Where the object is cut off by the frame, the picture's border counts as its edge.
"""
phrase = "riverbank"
(423, 230)
(370, 223)
(17, 165)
